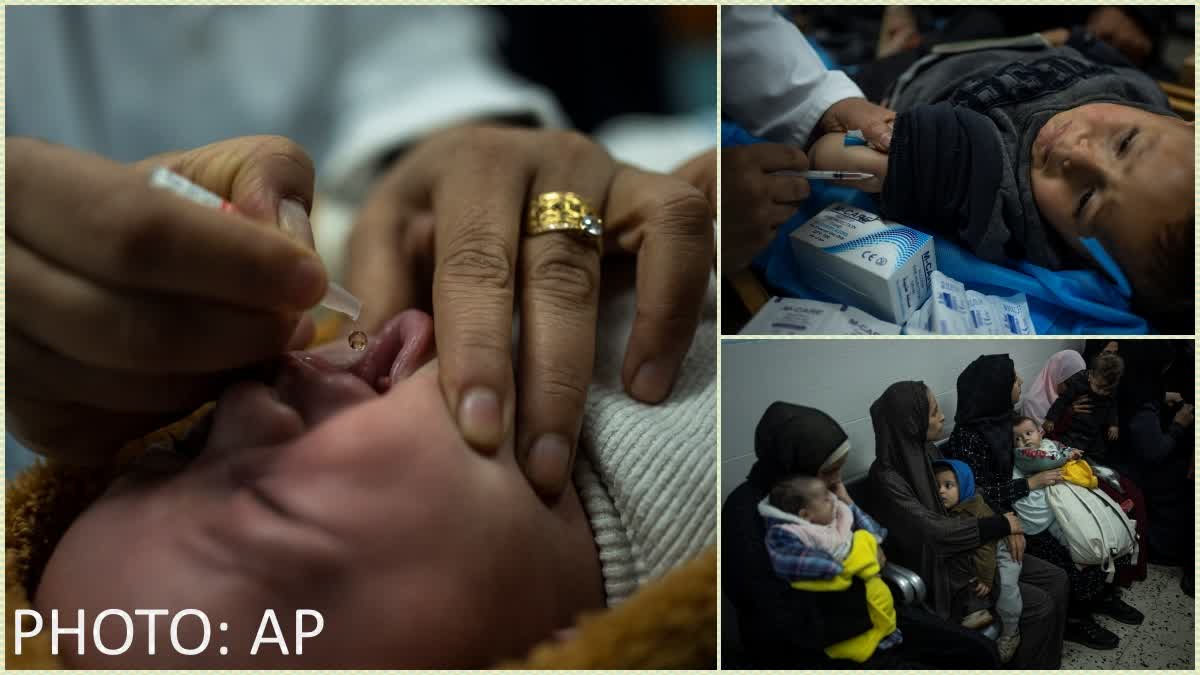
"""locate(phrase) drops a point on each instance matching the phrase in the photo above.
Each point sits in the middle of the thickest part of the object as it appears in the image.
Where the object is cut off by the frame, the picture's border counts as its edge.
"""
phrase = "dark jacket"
(1083, 431)
(982, 561)
(962, 143)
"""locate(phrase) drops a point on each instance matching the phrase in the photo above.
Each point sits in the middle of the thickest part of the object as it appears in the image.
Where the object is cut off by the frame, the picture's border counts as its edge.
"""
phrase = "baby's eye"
(1083, 201)
(1126, 141)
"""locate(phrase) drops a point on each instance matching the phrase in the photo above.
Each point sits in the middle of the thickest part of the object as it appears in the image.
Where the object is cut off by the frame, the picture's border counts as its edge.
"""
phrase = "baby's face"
(819, 507)
(1027, 435)
(1116, 174)
(947, 485)
(1101, 387)
(346, 488)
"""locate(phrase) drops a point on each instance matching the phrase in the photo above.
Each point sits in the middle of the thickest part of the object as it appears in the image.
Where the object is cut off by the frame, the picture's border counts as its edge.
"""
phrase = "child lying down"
(1041, 154)
(344, 487)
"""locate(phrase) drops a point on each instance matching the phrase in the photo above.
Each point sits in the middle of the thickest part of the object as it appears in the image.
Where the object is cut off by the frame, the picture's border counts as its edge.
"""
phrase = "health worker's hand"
(129, 306)
(442, 229)
(754, 200)
(874, 121)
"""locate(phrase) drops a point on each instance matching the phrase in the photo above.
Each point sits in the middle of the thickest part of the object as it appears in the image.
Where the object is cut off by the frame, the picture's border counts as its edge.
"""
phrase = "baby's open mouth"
(305, 388)
(394, 353)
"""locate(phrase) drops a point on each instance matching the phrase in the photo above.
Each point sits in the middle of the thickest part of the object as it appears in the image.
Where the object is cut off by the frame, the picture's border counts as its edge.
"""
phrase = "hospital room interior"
(885, 430)
(325, 323)
(978, 214)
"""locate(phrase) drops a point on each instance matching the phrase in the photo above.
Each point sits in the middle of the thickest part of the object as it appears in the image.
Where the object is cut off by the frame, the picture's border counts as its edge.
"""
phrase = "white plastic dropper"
(292, 218)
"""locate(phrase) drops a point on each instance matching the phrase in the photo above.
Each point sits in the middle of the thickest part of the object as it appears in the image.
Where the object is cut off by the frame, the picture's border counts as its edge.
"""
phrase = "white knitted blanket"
(647, 474)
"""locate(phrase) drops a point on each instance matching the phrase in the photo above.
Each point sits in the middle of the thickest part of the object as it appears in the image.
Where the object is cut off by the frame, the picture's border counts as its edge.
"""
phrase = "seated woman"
(988, 389)
(783, 627)
(1061, 156)
(344, 487)
(1048, 384)
(906, 419)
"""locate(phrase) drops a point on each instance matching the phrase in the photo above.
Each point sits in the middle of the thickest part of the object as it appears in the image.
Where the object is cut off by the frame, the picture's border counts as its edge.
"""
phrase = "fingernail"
(652, 382)
(308, 282)
(480, 418)
(294, 220)
(548, 463)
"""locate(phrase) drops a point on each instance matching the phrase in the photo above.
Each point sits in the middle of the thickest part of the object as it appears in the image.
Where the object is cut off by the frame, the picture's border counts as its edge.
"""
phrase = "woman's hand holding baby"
(1016, 537)
(128, 305)
(1045, 478)
(982, 589)
(1080, 406)
(1014, 523)
(443, 229)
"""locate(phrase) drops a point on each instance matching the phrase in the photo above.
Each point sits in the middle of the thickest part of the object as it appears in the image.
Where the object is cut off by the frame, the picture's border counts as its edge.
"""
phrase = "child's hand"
(982, 589)
(1075, 454)
(1112, 433)
(128, 306)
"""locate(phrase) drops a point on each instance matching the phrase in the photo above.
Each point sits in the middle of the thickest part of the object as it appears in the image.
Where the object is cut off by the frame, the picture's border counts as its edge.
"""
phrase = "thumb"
(268, 178)
(879, 134)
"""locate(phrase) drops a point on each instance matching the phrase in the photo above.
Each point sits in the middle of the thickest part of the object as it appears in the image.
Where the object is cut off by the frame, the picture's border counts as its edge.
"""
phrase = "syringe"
(825, 175)
(336, 298)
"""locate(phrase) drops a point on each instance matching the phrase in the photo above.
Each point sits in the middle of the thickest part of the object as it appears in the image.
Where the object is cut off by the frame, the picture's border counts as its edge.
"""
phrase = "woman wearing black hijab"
(782, 627)
(923, 535)
(988, 389)
(1155, 450)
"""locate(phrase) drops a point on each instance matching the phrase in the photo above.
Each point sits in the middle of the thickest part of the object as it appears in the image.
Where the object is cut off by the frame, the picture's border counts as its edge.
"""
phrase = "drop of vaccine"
(357, 340)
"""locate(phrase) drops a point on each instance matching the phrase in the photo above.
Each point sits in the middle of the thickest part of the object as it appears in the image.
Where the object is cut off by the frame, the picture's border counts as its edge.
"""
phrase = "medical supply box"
(855, 257)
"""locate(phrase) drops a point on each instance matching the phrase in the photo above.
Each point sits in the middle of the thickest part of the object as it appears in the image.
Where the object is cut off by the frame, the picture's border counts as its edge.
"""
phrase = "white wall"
(843, 378)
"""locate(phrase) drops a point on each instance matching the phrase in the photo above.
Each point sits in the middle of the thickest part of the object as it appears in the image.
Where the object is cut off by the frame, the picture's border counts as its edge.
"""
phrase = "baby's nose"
(1079, 154)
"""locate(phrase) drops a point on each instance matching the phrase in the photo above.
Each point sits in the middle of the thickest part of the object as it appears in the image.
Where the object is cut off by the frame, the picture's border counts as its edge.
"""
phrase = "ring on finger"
(564, 212)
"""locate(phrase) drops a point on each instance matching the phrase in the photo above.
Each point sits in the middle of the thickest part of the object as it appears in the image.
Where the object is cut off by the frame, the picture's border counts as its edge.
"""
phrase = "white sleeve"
(772, 82)
(415, 71)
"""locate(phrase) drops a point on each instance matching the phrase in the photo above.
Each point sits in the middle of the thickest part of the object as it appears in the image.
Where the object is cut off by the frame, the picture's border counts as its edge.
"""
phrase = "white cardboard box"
(855, 257)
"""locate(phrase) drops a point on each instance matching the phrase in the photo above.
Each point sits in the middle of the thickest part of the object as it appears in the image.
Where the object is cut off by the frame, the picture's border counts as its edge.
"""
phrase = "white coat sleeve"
(772, 82)
(415, 71)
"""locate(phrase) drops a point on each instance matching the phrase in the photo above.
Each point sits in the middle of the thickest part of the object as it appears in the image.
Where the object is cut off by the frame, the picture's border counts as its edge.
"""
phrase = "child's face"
(1100, 387)
(322, 492)
(947, 485)
(1116, 174)
(819, 508)
(1027, 435)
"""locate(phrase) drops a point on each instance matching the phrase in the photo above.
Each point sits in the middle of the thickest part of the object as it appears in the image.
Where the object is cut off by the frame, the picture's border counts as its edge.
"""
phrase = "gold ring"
(564, 212)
